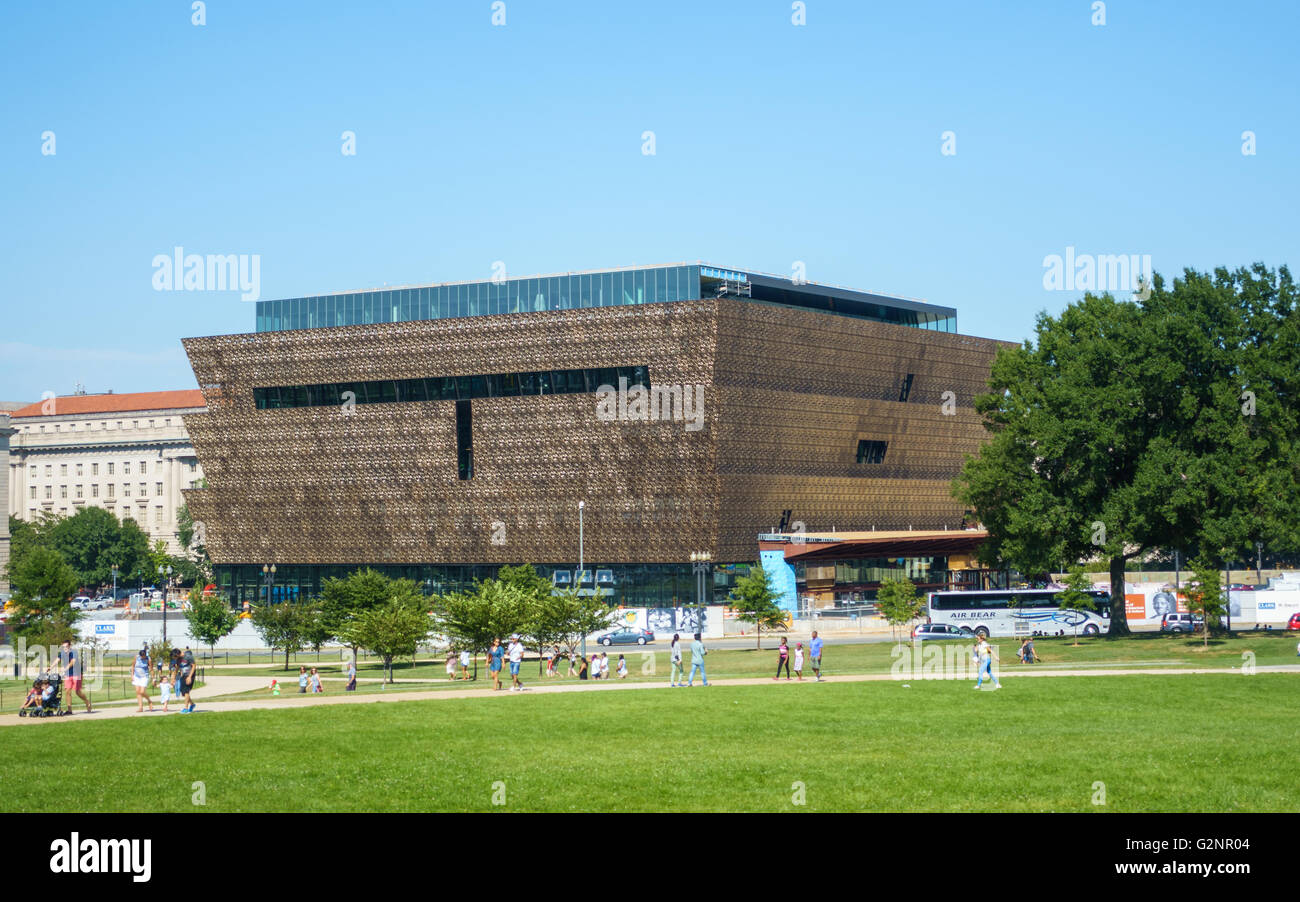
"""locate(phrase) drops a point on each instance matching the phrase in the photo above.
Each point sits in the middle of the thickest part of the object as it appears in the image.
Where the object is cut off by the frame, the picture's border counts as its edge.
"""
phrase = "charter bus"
(1018, 612)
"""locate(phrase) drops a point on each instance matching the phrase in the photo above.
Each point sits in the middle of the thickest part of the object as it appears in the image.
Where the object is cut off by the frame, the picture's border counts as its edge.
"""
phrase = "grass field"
(1149, 650)
(1158, 743)
(873, 657)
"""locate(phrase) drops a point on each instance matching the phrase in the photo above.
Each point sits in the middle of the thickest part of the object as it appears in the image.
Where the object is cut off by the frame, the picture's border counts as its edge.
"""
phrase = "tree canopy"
(284, 625)
(899, 601)
(394, 628)
(210, 618)
(42, 584)
(754, 601)
(1127, 426)
(344, 599)
(91, 541)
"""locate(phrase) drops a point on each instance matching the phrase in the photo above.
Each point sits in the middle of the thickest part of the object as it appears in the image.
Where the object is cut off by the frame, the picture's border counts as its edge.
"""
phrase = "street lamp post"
(167, 582)
(1227, 592)
(700, 564)
(581, 564)
(115, 585)
(268, 580)
(1259, 562)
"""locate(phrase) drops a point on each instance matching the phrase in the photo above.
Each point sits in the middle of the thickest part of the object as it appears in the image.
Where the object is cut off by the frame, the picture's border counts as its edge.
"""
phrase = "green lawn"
(1149, 649)
(113, 688)
(1158, 743)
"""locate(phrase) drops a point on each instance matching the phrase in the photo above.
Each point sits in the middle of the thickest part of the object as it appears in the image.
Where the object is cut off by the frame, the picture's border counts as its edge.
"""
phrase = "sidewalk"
(296, 701)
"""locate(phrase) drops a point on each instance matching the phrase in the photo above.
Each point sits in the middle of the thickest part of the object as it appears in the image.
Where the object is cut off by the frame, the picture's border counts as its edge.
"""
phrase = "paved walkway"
(295, 701)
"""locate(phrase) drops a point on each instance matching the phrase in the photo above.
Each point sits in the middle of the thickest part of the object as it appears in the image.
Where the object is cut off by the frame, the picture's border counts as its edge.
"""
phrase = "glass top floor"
(597, 288)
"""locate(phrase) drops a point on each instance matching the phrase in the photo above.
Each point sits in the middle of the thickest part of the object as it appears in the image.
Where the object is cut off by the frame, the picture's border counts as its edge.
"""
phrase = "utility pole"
(578, 587)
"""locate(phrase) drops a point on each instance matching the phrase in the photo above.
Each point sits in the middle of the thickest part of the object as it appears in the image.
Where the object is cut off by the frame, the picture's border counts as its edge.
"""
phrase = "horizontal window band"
(450, 388)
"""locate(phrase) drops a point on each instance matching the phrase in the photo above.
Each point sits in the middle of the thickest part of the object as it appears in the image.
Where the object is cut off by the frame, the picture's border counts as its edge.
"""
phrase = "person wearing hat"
(516, 652)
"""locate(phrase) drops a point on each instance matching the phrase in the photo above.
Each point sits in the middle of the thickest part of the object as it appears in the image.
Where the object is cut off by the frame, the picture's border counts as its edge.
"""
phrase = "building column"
(5, 431)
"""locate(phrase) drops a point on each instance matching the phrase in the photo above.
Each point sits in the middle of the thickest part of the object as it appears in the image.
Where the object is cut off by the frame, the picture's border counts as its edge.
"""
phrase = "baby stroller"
(51, 689)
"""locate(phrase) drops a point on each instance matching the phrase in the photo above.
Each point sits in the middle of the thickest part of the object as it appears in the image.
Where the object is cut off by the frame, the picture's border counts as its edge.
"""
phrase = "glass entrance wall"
(860, 578)
(570, 291)
(629, 585)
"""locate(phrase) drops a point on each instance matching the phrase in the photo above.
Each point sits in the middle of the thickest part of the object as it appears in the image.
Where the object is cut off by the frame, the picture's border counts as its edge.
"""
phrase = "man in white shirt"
(516, 653)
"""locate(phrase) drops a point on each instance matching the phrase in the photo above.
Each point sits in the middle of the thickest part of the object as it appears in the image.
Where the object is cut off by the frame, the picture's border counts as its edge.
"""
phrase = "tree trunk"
(1118, 609)
(388, 666)
(758, 636)
(286, 657)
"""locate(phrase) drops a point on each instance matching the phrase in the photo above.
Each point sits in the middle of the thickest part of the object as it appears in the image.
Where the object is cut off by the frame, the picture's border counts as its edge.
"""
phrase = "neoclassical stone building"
(128, 453)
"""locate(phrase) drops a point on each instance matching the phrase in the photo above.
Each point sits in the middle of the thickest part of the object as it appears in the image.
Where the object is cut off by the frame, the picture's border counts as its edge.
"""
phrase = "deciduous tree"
(754, 601)
(899, 602)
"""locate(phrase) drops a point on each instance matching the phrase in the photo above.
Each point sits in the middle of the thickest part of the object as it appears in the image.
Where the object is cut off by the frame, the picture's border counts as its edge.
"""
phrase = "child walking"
(783, 660)
(165, 688)
(798, 661)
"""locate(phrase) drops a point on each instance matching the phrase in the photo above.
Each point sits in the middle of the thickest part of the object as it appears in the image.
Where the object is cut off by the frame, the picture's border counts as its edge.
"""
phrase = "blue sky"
(522, 143)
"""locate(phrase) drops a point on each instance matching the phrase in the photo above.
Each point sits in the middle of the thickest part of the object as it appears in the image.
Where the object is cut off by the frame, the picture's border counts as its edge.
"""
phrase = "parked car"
(1181, 623)
(627, 637)
(82, 603)
(939, 631)
(1294, 622)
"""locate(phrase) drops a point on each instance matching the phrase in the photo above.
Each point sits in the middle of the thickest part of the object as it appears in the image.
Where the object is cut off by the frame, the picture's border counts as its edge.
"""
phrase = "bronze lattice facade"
(790, 399)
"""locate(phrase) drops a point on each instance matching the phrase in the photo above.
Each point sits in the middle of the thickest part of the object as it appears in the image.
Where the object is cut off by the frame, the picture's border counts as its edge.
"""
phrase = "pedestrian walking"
(516, 653)
(622, 668)
(798, 661)
(165, 689)
(70, 664)
(815, 655)
(352, 676)
(675, 656)
(604, 665)
(495, 655)
(782, 659)
(582, 668)
(984, 655)
(315, 681)
(140, 680)
(550, 661)
(451, 665)
(187, 673)
(698, 651)
(464, 663)
(302, 680)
